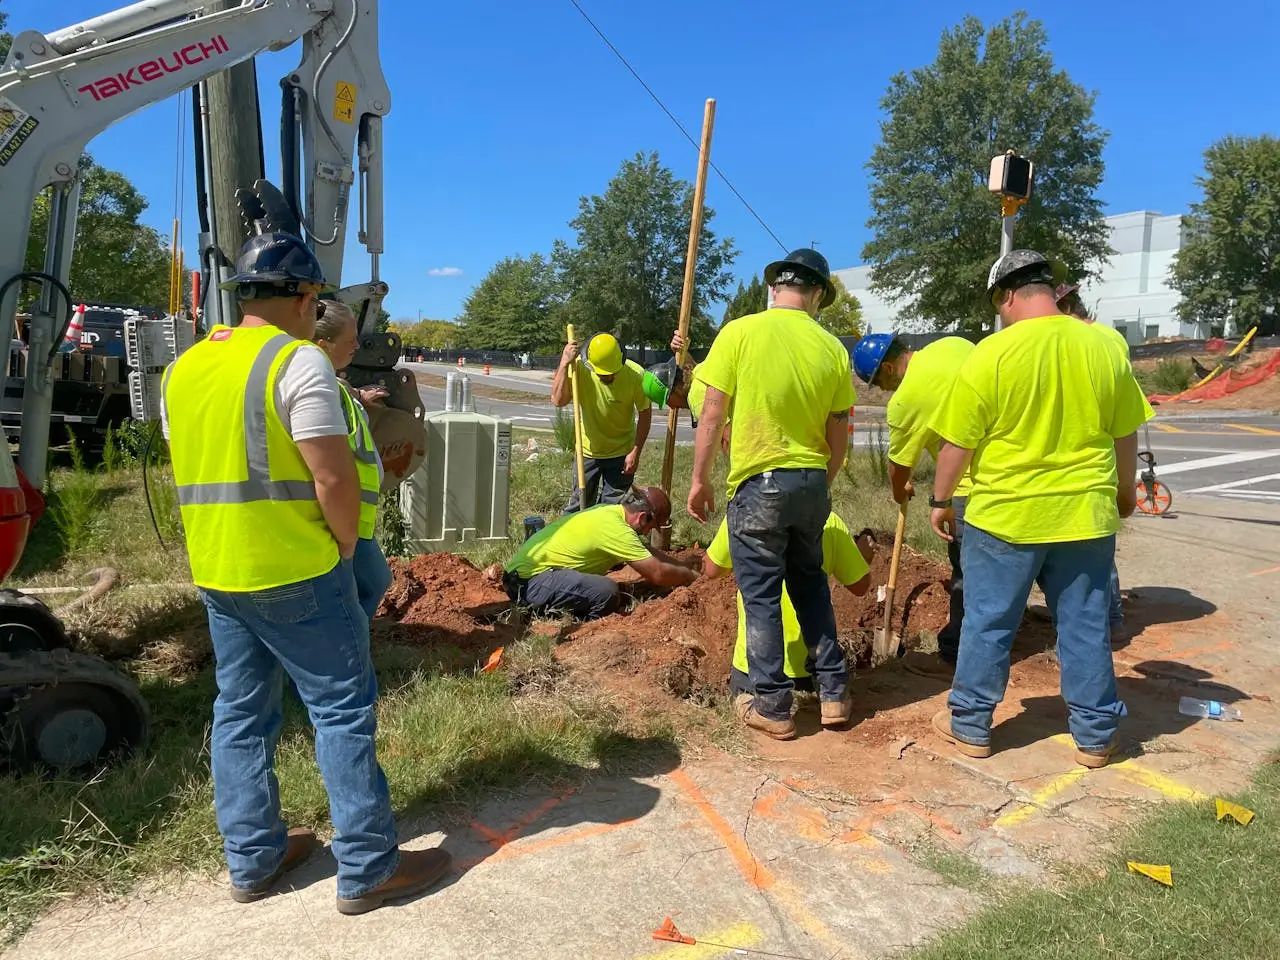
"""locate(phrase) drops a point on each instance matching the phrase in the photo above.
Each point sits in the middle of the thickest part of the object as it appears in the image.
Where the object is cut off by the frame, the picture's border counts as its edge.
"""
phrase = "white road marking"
(1265, 496)
(1248, 482)
(1207, 463)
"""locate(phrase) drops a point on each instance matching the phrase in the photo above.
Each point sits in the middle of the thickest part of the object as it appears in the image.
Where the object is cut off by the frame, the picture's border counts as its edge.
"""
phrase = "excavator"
(61, 708)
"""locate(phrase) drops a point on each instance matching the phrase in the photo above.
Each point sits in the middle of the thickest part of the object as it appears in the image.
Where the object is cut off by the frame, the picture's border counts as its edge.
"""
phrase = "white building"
(1132, 293)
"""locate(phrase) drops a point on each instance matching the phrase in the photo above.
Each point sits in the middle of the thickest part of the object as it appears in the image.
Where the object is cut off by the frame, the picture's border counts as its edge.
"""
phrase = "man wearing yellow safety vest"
(616, 417)
(270, 501)
(336, 335)
(1046, 412)
(791, 390)
(919, 380)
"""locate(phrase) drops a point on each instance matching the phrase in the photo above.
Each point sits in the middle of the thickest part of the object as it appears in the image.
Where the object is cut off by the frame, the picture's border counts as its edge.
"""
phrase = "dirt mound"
(441, 599)
(683, 643)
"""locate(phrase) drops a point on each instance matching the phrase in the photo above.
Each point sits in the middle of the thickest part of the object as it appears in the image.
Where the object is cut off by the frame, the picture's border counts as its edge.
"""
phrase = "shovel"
(884, 646)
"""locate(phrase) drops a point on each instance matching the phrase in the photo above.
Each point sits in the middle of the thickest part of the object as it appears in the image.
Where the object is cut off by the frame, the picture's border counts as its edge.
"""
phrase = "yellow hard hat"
(604, 356)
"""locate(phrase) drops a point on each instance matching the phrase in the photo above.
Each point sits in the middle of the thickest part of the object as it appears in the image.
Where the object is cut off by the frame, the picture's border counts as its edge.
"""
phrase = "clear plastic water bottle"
(1210, 709)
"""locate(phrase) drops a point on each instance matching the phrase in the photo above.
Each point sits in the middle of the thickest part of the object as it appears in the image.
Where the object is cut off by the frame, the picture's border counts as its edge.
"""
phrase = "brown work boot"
(836, 713)
(418, 871)
(930, 666)
(942, 727)
(300, 845)
(778, 729)
(1095, 759)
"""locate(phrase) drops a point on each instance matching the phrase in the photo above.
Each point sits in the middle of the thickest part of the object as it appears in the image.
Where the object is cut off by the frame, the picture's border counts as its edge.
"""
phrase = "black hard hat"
(1019, 267)
(276, 259)
(809, 266)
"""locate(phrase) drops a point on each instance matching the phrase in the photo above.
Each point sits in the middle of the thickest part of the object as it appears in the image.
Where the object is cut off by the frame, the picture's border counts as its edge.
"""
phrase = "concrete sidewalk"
(811, 849)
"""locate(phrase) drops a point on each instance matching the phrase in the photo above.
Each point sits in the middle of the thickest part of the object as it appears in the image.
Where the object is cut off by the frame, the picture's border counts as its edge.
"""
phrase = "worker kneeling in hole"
(616, 416)
(560, 569)
(336, 335)
(270, 501)
(844, 558)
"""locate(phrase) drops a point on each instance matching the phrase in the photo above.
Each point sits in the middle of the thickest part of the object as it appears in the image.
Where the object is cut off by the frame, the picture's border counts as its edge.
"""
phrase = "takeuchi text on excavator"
(58, 90)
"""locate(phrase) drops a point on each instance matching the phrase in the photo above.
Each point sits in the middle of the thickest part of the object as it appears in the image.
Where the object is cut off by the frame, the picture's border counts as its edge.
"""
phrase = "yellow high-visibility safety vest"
(248, 499)
(366, 454)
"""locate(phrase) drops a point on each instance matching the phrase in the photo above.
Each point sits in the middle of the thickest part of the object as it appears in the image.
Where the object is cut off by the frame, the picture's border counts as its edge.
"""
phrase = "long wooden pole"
(687, 296)
(577, 426)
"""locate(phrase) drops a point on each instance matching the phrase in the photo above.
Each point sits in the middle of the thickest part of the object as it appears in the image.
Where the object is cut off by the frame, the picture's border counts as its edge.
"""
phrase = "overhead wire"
(688, 136)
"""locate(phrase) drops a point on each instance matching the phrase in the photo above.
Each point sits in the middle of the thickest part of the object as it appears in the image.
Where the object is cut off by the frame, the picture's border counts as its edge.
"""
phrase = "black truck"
(91, 381)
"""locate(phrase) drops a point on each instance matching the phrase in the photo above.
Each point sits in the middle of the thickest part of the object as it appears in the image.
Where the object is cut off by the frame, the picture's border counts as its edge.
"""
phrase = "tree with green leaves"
(625, 274)
(936, 227)
(844, 316)
(117, 258)
(512, 307)
(1228, 269)
(6, 39)
(746, 300)
(427, 334)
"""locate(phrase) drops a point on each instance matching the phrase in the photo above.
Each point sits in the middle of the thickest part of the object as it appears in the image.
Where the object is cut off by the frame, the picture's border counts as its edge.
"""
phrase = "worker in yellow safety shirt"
(1070, 303)
(1046, 412)
(919, 380)
(843, 558)
(562, 567)
(616, 416)
(270, 500)
(791, 389)
(336, 335)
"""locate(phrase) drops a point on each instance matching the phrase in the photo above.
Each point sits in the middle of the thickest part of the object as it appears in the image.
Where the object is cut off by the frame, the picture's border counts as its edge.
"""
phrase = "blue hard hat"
(276, 259)
(868, 354)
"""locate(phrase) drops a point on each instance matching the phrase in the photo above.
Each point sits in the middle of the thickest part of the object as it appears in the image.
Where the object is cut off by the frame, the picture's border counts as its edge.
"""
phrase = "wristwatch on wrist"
(936, 504)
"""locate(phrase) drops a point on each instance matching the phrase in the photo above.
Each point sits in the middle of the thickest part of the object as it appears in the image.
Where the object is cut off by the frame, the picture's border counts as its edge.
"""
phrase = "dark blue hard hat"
(807, 265)
(869, 353)
(276, 259)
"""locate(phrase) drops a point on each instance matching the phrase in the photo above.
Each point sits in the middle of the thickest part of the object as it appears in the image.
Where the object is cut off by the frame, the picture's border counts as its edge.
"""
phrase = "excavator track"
(67, 710)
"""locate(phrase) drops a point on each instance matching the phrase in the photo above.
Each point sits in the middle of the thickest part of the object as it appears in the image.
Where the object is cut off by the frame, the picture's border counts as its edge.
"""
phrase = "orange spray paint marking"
(752, 870)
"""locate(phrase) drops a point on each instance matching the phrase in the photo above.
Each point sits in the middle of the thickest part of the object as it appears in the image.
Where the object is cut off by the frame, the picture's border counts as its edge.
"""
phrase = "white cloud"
(445, 272)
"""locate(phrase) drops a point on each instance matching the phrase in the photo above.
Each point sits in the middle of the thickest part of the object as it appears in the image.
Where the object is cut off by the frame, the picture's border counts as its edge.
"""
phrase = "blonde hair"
(336, 316)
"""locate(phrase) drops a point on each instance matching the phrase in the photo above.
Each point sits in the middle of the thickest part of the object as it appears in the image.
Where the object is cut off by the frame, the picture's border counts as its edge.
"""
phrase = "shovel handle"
(892, 587)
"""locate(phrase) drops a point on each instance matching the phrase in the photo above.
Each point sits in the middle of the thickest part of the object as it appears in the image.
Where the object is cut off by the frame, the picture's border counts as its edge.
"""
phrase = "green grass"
(1222, 905)
(1171, 375)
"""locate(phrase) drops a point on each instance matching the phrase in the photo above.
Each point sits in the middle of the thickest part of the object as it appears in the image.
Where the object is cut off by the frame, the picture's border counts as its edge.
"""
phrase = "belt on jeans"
(770, 473)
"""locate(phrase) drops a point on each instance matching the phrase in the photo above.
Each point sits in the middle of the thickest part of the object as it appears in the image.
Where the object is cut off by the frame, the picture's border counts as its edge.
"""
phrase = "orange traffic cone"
(461, 361)
(75, 329)
(486, 369)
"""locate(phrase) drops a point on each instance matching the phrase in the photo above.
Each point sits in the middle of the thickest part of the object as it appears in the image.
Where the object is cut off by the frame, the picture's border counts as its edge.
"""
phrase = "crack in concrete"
(685, 862)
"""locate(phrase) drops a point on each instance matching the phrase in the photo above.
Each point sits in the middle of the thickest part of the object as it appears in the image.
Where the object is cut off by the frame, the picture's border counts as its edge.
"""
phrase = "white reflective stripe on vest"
(259, 485)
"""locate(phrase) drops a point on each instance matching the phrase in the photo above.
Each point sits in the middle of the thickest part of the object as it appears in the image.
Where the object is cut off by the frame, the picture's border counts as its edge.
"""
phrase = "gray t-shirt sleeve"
(307, 396)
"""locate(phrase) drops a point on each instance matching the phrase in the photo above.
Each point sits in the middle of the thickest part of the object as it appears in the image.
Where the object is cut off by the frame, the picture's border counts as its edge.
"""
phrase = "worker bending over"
(919, 380)
(790, 386)
(270, 501)
(1046, 411)
(561, 567)
(615, 418)
(1069, 303)
(843, 558)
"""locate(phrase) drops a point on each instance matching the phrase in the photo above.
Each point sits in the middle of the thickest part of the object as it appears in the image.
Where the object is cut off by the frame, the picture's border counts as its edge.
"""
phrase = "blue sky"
(504, 113)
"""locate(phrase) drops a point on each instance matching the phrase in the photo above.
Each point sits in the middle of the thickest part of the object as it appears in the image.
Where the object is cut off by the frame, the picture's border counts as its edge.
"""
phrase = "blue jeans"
(373, 575)
(1115, 613)
(1075, 577)
(316, 632)
(775, 537)
(607, 482)
(584, 595)
(949, 635)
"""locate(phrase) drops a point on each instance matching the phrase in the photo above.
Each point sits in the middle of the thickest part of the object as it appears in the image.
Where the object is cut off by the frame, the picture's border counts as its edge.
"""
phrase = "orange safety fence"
(1228, 383)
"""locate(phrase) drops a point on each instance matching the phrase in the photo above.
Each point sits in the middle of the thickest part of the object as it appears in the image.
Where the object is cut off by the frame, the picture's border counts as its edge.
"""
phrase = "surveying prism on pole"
(1012, 179)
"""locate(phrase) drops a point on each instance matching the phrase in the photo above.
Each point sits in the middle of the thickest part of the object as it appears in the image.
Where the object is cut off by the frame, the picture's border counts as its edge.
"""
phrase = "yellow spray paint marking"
(344, 102)
(1040, 797)
(1161, 873)
(1262, 430)
(1241, 815)
(1168, 428)
(1143, 777)
(716, 944)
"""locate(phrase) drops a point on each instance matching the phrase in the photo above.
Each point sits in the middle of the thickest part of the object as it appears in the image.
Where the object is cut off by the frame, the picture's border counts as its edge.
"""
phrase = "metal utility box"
(462, 491)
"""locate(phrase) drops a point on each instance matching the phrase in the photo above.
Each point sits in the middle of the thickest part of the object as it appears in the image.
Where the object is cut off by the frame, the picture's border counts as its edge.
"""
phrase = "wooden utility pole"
(687, 296)
(235, 147)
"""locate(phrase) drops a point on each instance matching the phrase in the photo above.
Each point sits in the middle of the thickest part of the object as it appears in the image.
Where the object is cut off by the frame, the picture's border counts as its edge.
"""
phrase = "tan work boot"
(741, 704)
(942, 727)
(836, 713)
(778, 729)
(300, 845)
(929, 665)
(1095, 759)
(418, 870)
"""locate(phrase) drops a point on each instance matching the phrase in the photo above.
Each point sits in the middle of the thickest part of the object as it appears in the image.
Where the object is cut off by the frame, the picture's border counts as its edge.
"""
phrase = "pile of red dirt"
(439, 599)
(1253, 383)
(682, 643)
